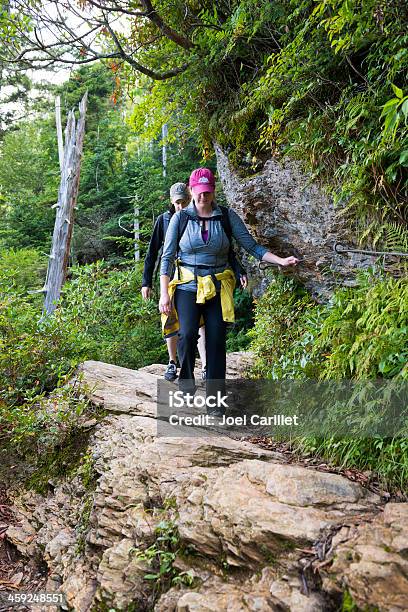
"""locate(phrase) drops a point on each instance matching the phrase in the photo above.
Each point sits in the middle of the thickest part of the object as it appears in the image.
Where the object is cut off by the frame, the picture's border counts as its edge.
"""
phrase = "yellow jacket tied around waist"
(205, 291)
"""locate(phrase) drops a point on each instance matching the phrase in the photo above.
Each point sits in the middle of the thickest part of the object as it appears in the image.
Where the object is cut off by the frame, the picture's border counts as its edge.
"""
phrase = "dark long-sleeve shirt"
(155, 246)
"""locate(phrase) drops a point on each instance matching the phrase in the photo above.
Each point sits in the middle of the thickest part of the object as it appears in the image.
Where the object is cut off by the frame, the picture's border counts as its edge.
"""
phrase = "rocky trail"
(193, 524)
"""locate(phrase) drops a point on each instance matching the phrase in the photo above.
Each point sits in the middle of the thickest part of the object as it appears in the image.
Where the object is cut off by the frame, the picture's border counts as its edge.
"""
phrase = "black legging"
(189, 313)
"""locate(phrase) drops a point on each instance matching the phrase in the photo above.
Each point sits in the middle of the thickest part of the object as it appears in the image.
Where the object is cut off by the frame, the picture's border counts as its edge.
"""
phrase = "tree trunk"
(136, 230)
(164, 148)
(59, 131)
(67, 196)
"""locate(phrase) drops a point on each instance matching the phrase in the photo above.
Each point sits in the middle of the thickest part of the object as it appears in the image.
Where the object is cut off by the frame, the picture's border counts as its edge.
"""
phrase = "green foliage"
(33, 356)
(327, 108)
(365, 332)
(58, 456)
(286, 324)
(394, 112)
(237, 336)
(385, 457)
(45, 437)
(161, 555)
(348, 604)
(15, 85)
(43, 423)
(102, 316)
(106, 306)
(29, 178)
(313, 80)
(360, 334)
(20, 270)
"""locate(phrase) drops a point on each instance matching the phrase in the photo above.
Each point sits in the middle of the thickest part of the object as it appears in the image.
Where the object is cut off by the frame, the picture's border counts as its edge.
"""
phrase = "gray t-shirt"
(193, 251)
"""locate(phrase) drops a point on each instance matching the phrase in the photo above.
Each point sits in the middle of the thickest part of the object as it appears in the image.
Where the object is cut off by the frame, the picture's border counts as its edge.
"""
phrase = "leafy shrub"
(286, 324)
(107, 306)
(101, 316)
(20, 270)
(365, 332)
(237, 336)
(43, 423)
(34, 356)
(360, 334)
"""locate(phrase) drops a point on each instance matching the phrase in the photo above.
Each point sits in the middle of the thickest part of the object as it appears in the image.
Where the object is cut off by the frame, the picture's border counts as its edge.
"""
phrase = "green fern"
(396, 237)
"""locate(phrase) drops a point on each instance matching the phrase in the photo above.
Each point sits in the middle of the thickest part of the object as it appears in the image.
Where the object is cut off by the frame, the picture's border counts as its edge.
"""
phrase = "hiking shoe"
(171, 371)
(204, 373)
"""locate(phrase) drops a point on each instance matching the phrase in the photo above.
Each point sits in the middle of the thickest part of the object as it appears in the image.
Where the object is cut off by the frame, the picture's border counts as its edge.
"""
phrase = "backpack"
(185, 218)
(166, 218)
(226, 225)
(225, 222)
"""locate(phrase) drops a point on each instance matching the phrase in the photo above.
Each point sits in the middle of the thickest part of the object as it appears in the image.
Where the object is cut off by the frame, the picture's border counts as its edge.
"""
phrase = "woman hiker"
(200, 236)
(179, 198)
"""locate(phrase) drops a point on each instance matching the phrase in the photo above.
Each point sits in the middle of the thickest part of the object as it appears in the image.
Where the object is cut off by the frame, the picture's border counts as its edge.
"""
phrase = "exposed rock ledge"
(249, 524)
(291, 215)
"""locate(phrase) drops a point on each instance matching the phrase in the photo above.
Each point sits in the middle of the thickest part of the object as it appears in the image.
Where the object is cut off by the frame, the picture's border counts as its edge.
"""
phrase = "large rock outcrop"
(291, 215)
(240, 524)
(371, 560)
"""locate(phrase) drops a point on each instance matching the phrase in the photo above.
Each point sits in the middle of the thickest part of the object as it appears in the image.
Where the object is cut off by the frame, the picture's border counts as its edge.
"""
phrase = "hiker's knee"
(189, 336)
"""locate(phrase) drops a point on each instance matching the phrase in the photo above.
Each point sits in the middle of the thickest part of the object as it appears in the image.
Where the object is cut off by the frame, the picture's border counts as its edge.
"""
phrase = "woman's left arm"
(244, 239)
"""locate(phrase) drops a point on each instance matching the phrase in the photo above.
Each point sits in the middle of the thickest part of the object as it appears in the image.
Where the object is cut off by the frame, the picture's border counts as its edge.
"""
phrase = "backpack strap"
(225, 222)
(226, 225)
(183, 220)
(166, 221)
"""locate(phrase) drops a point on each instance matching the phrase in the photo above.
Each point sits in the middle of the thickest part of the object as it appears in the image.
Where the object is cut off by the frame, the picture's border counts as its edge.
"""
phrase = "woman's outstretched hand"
(289, 261)
(165, 304)
(271, 258)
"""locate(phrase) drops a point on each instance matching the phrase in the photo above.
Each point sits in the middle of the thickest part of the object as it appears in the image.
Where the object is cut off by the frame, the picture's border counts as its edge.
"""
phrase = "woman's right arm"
(244, 239)
(164, 302)
(167, 263)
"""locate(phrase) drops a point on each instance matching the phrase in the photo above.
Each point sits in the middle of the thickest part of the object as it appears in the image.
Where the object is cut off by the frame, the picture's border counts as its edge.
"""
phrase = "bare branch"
(153, 75)
(54, 40)
(115, 8)
(180, 40)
